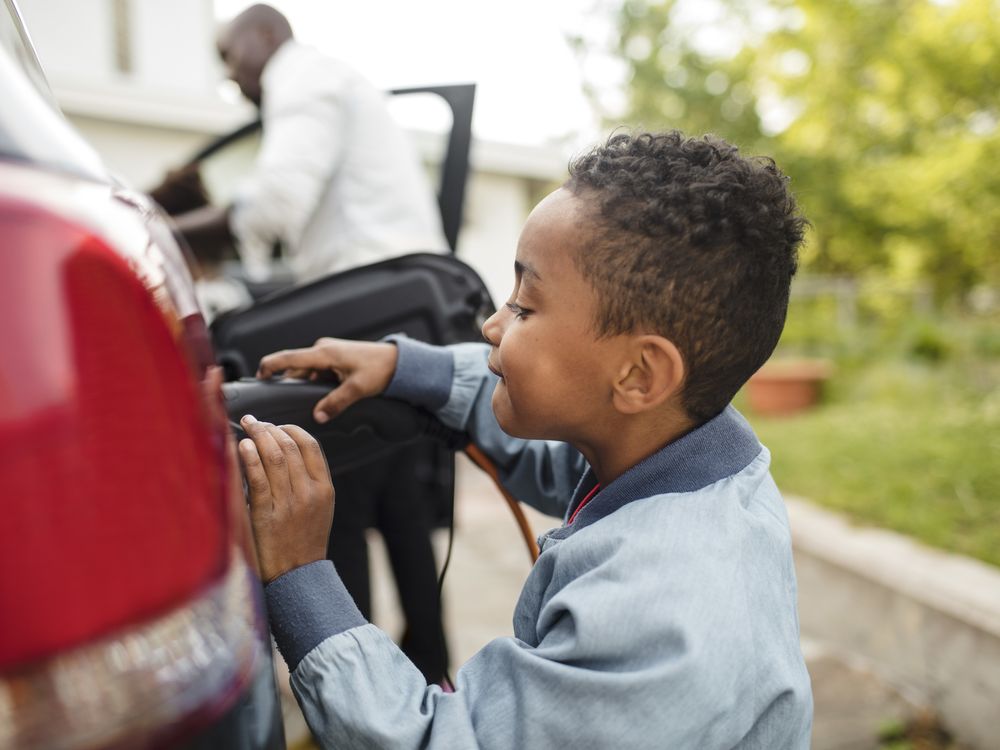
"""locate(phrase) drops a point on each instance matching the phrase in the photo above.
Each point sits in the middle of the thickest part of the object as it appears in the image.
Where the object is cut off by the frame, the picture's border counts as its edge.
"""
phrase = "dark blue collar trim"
(721, 447)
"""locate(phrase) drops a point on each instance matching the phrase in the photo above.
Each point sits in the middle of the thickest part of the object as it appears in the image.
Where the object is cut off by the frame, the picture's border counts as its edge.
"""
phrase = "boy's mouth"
(494, 369)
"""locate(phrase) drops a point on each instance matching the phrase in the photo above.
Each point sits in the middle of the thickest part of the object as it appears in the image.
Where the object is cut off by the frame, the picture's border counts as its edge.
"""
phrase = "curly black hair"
(696, 243)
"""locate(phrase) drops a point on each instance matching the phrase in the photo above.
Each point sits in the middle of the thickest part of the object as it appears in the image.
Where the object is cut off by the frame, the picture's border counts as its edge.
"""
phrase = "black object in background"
(433, 298)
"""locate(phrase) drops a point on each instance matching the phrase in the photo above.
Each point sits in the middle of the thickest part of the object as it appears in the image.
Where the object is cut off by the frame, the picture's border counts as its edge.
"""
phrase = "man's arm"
(208, 223)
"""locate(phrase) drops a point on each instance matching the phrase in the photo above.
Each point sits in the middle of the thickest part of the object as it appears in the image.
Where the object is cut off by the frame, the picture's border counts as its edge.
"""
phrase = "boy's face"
(556, 374)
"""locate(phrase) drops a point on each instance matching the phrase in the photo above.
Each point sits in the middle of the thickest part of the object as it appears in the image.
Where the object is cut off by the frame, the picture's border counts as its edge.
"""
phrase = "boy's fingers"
(271, 455)
(260, 488)
(298, 359)
(312, 454)
(297, 471)
(337, 400)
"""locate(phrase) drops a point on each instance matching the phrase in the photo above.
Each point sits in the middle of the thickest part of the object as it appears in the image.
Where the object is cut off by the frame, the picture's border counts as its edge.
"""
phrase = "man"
(336, 182)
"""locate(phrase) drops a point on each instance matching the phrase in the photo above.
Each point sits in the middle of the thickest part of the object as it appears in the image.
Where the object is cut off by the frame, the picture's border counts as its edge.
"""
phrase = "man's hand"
(291, 496)
(363, 368)
(181, 190)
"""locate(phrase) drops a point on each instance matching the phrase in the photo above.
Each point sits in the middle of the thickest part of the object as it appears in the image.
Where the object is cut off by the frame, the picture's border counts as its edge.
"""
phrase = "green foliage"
(922, 731)
(892, 154)
(905, 442)
(929, 343)
(671, 81)
(887, 120)
(986, 344)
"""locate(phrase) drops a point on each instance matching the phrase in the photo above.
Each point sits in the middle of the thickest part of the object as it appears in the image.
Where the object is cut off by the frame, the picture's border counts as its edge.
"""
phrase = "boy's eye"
(519, 312)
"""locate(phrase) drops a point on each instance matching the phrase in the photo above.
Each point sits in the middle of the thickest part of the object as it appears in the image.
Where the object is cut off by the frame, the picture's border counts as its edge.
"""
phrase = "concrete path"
(488, 565)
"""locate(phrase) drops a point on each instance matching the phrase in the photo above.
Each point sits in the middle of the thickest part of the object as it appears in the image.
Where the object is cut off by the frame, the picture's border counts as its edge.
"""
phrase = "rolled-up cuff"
(423, 373)
(306, 606)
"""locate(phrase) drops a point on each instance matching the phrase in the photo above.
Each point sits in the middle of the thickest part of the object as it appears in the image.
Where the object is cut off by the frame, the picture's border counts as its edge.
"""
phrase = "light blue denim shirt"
(663, 616)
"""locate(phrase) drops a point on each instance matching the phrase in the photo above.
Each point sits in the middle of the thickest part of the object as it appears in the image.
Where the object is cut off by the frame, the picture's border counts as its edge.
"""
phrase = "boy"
(662, 613)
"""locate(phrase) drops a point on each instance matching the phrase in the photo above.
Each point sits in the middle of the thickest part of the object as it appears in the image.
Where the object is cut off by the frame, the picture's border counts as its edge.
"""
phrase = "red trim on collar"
(583, 502)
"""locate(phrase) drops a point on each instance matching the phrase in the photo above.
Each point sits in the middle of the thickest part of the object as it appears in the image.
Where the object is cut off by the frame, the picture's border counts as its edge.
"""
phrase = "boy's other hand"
(291, 496)
(364, 368)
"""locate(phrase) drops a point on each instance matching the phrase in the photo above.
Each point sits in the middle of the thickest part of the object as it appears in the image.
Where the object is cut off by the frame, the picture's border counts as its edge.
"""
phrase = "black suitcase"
(433, 298)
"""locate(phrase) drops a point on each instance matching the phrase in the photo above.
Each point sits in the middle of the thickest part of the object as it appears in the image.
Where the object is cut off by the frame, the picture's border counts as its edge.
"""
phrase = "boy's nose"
(493, 328)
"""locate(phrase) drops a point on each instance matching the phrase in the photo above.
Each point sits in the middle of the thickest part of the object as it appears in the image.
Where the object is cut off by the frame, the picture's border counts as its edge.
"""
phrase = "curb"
(927, 621)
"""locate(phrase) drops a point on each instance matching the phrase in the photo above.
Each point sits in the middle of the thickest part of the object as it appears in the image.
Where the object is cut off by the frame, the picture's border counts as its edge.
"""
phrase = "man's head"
(658, 276)
(246, 44)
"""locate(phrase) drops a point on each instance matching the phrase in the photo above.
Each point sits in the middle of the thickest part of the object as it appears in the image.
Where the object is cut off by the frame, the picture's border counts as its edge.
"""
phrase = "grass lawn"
(910, 443)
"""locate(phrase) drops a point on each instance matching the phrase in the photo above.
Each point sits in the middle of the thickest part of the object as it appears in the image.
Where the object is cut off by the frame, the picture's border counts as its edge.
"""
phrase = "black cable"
(444, 569)
(454, 440)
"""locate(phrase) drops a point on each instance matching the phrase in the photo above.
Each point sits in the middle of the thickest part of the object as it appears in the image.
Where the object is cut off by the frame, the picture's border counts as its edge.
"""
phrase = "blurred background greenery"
(885, 115)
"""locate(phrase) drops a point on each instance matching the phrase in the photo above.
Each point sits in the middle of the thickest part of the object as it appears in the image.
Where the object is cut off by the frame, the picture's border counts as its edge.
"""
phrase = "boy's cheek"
(508, 418)
(502, 409)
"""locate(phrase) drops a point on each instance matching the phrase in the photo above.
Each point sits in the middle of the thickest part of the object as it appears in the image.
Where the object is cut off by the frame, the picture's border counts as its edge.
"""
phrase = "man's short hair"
(695, 243)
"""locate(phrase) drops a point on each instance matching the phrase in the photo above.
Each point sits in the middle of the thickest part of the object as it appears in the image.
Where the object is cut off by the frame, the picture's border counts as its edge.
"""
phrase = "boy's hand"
(364, 369)
(291, 496)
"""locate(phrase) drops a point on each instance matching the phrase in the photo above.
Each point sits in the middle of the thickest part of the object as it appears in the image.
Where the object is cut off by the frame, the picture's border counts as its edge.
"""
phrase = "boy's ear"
(651, 375)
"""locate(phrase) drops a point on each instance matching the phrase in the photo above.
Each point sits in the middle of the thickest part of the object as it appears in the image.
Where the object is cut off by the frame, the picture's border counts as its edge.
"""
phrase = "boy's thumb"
(335, 402)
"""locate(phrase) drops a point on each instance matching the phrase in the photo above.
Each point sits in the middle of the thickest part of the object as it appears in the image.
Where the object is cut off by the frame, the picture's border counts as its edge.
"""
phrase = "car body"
(131, 610)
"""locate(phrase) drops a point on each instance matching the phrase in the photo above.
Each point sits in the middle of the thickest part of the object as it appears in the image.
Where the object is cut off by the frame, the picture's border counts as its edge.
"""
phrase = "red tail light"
(144, 687)
(113, 506)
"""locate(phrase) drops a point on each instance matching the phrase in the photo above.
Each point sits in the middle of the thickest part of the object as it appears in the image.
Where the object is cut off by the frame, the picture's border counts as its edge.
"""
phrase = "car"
(132, 610)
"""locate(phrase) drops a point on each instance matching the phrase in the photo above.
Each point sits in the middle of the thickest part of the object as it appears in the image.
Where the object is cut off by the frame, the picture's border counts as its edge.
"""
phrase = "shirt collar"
(721, 447)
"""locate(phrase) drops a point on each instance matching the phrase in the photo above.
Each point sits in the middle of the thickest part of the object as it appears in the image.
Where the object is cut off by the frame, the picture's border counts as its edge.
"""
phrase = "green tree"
(893, 149)
(883, 112)
(672, 81)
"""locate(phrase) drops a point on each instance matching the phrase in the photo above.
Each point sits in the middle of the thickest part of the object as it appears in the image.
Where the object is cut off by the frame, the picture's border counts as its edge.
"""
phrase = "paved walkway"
(488, 565)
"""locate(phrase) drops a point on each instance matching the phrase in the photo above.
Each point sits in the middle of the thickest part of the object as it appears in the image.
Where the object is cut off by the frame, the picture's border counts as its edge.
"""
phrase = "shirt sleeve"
(456, 384)
(301, 148)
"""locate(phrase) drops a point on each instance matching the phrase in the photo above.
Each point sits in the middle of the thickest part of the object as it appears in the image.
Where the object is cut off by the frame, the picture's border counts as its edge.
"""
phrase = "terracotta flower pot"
(787, 386)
